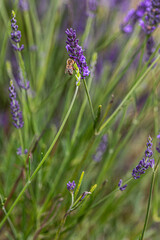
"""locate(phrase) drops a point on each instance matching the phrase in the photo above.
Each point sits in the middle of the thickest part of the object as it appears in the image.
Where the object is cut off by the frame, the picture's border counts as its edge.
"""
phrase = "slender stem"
(89, 99)
(110, 194)
(43, 160)
(150, 198)
(72, 194)
(61, 225)
(21, 139)
(149, 206)
(9, 220)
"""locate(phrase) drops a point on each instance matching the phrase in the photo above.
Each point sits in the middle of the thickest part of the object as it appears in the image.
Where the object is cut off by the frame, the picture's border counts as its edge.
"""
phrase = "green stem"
(128, 95)
(9, 220)
(150, 199)
(89, 99)
(43, 160)
(149, 206)
(21, 139)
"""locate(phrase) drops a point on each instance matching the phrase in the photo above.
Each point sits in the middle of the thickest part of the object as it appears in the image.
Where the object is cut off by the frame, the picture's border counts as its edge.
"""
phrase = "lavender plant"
(98, 123)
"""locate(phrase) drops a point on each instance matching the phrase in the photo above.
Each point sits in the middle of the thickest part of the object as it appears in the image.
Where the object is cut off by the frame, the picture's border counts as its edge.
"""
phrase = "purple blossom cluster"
(15, 34)
(148, 16)
(15, 108)
(71, 186)
(76, 52)
(97, 157)
(19, 151)
(133, 16)
(152, 17)
(122, 188)
(146, 162)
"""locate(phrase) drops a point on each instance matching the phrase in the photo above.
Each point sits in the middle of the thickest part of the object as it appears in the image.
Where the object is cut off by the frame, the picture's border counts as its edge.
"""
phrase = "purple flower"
(23, 5)
(15, 108)
(15, 34)
(84, 194)
(146, 162)
(97, 157)
(152, 17)
(122, 188)
(158, 148)
(25, 151)
(19, 151)
(133, 16)
(71, 186)
(76, 52)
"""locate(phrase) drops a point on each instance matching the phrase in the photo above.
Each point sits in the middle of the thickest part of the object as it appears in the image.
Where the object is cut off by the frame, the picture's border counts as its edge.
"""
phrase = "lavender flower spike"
(158, 148)
(15, 34)
(122, 188)
(152, 18)
(15, 108)
(134, 15)
(71, 186)
(76, 52)
(146, 162)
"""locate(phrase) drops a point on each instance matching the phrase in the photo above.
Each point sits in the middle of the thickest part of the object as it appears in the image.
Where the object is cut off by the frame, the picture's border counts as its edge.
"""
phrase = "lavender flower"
(122, 188)
(146, 162)
(15, 34)
(158, 148)
(25, 151)
(19, 151)
(15, 108)
(152, 18)
(84, 194)
(76, 52)
(97, 157)
(23, 5)
(134, 15)
(71, 186)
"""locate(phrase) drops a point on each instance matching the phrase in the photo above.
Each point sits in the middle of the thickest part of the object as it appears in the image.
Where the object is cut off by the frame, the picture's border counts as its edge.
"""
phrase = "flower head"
(15, 108)
(133, 16)
(19, 151)
(122, 188)
(76, 52)
(15, 34)
(152, 17)
(71, 186)
(146, 162)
